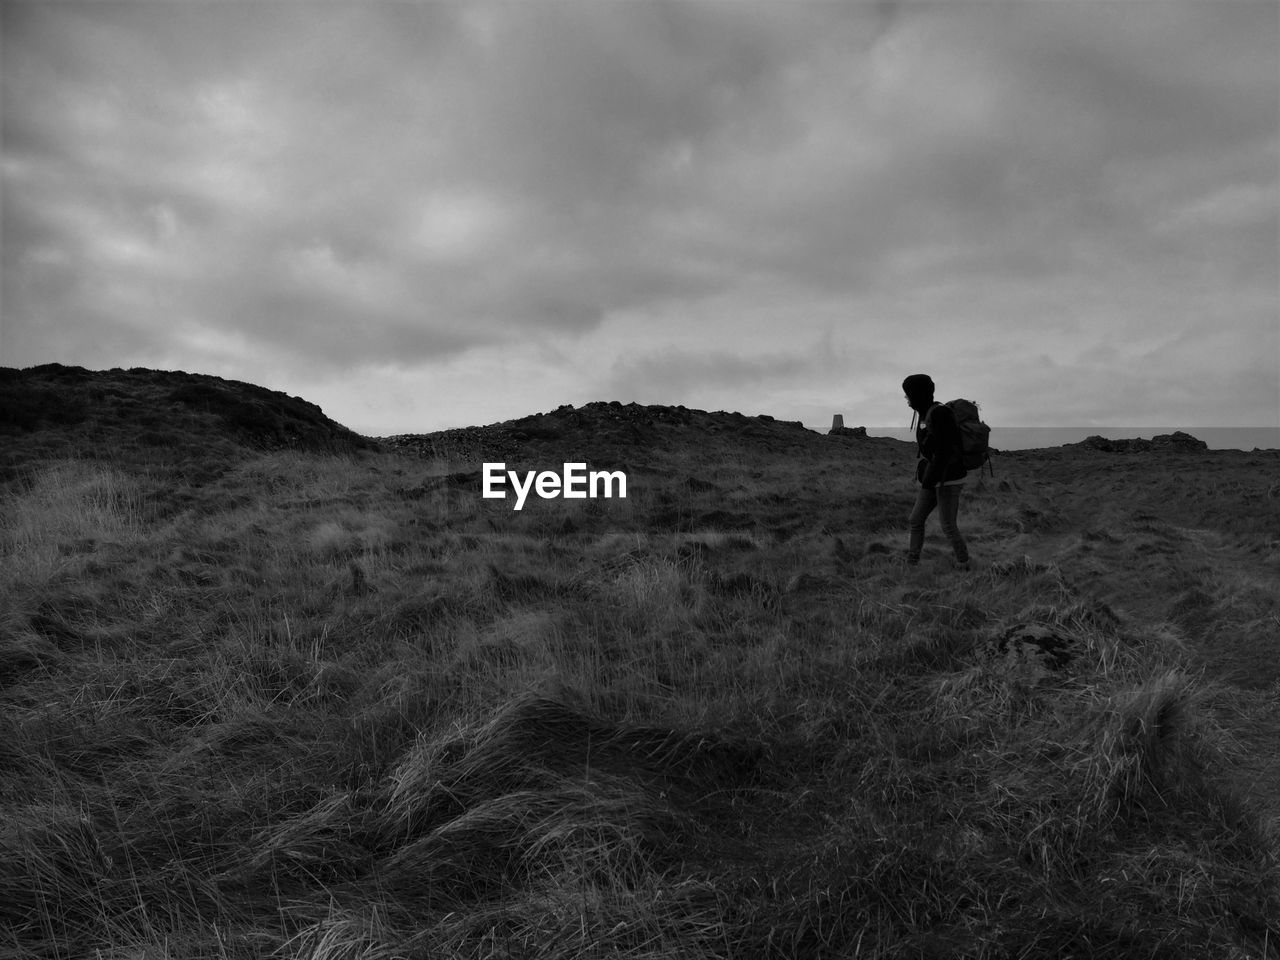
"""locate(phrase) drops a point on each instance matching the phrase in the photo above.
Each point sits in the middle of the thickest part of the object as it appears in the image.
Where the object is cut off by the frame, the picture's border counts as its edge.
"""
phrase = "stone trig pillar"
(837, 422)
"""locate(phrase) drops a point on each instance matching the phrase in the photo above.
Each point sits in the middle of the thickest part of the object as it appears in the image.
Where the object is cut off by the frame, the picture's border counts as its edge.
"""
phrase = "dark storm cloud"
(474, 169)
(346, 185)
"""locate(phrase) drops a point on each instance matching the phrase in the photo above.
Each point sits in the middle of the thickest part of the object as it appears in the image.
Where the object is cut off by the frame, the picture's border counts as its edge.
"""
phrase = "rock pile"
(490, 442)
(1177, 441)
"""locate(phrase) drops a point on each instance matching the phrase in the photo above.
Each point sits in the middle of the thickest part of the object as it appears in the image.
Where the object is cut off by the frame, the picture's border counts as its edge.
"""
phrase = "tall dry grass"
(342, 707)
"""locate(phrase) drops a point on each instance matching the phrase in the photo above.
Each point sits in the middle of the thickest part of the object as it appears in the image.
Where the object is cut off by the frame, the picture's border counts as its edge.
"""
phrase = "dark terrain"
(270, 688)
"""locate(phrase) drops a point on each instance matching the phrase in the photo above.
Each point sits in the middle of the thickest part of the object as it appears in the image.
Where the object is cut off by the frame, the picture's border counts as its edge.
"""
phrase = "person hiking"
(940, 469)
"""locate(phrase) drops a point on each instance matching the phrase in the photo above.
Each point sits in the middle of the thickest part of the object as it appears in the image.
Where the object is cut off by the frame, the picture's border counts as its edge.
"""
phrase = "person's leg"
(948, 510)
(926, 500)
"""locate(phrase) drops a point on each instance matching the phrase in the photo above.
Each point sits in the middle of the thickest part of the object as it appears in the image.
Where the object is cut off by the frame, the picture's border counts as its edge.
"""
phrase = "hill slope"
(154, 415)
(612, 432)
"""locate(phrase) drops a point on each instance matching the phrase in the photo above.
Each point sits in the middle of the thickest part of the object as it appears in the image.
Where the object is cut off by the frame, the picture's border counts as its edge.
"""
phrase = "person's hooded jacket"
(938, 444)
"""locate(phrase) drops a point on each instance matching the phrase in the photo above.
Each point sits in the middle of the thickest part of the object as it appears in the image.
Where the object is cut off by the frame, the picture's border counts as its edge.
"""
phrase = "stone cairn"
(840, 430)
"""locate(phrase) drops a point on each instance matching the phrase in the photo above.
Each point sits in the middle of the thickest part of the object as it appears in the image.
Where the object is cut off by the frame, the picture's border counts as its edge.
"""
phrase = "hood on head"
(919, 389)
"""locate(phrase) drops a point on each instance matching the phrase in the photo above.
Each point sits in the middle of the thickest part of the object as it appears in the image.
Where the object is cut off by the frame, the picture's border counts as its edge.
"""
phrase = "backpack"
(975, 449)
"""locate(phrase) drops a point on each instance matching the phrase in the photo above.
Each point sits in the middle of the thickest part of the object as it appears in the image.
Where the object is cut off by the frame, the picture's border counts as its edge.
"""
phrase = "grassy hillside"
(186, 422)
(295, 703)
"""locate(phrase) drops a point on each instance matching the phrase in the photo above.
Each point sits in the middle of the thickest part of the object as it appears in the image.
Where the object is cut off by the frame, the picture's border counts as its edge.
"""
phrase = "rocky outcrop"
(1177, 441)
(606, 427)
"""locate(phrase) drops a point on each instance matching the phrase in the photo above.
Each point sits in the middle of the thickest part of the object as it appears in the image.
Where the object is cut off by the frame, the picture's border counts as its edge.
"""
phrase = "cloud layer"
(1071, 210)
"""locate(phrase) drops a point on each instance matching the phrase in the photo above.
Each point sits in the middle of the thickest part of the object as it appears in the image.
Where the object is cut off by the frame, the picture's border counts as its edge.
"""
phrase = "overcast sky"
(425, 215)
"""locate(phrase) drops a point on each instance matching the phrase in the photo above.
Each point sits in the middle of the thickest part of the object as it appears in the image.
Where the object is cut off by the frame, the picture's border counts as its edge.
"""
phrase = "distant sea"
(1029, 438)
